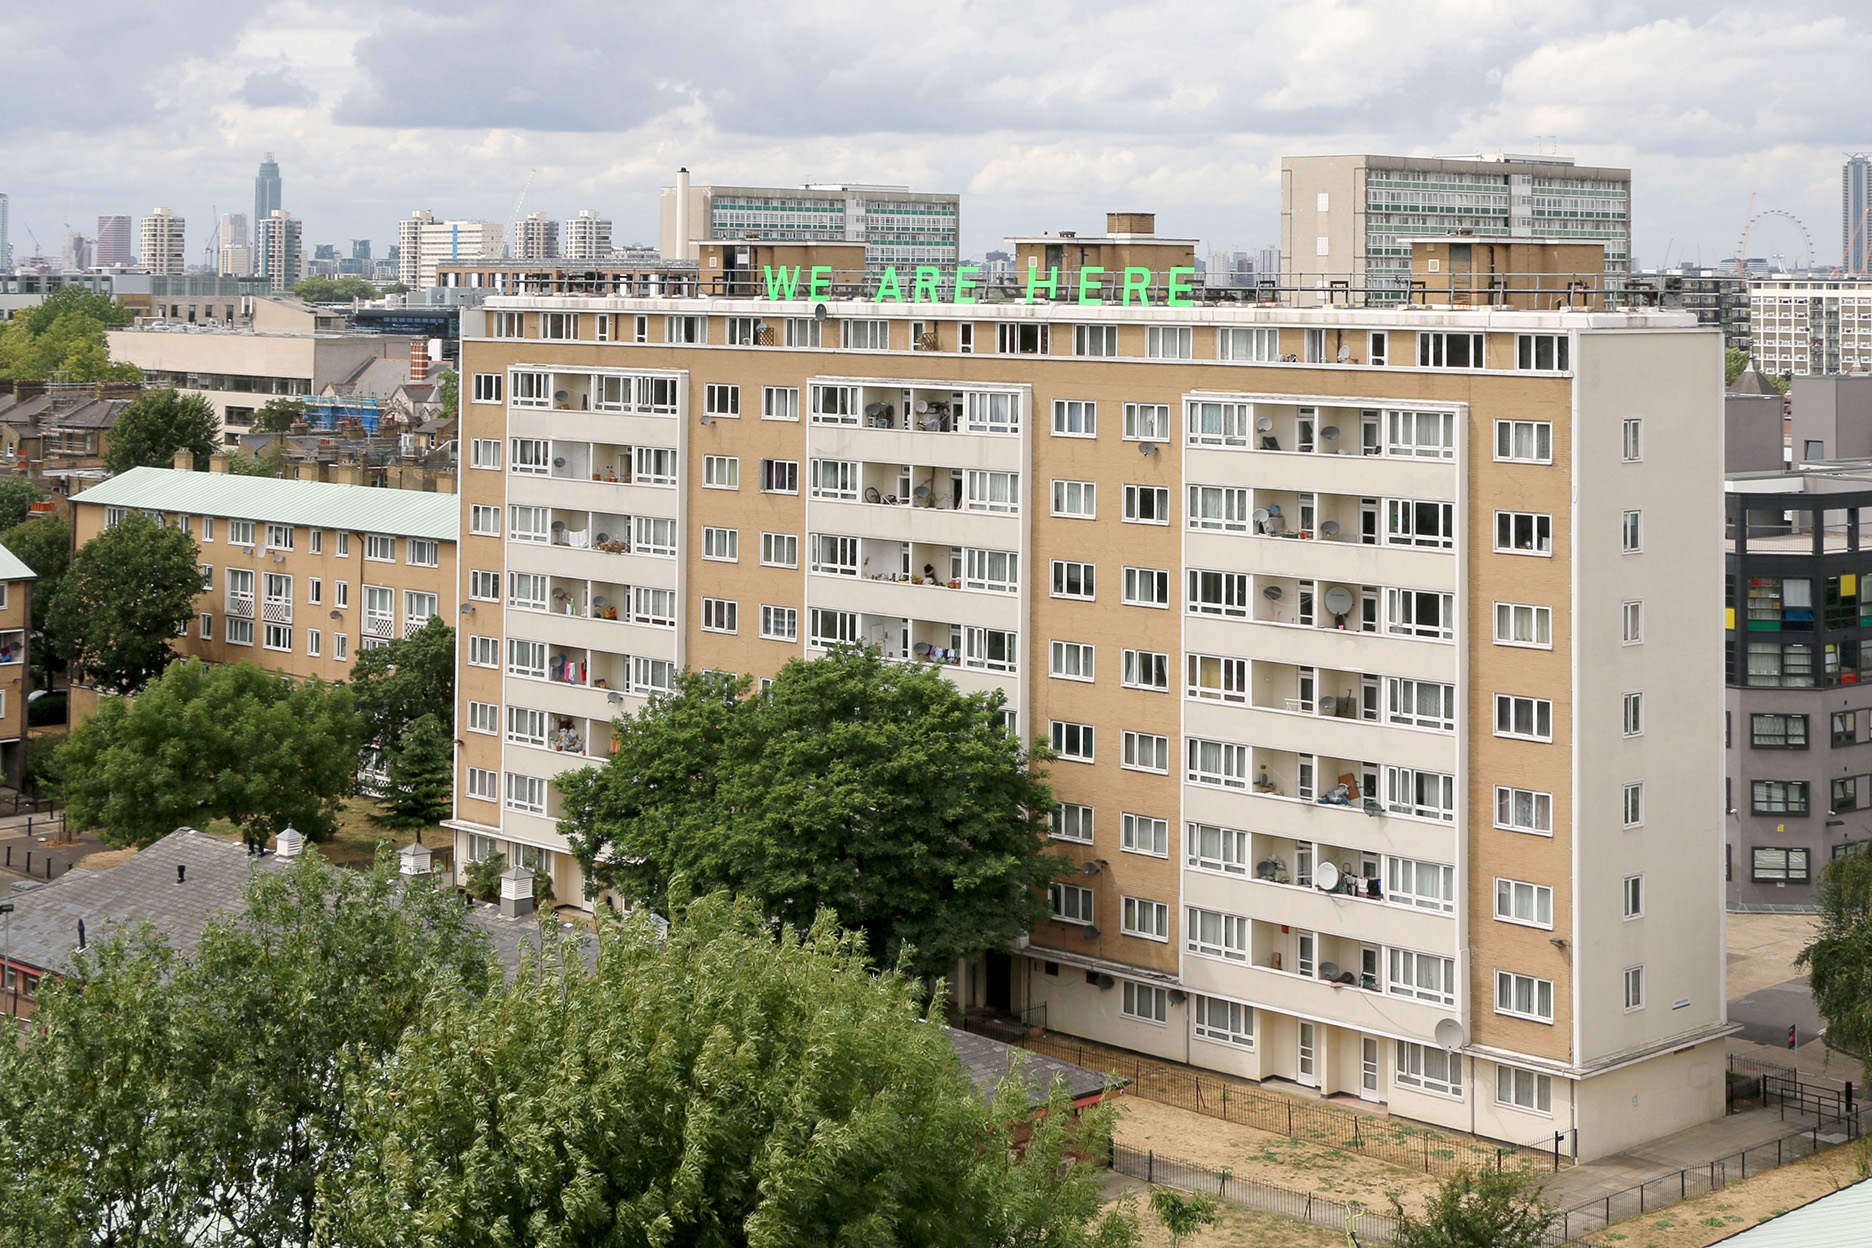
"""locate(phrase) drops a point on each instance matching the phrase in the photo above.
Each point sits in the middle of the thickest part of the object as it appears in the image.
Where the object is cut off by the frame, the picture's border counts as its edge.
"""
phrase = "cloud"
(276, 89)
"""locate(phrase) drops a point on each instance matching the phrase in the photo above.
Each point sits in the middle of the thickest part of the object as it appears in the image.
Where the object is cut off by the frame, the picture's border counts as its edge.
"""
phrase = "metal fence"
(1154, 1167)
(1753, 1082)
(1387, 1139)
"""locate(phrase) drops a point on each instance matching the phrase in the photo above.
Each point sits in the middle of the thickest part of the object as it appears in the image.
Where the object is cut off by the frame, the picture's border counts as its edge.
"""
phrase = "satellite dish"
(1330, 433)
(602, 538)
(819, 312)
(558, 526)
(760, 327)
(922, 406)
(1326, 877)
(1330, 528)
(599, 602)
(1338, 600)
(874, 409)
(1265, 424)
(1345, 352)
(1326, 704)
(1272, 593)
(561, 395)
(1260, 515)
(1329, 970)
(922, 491)
(1106, 981)
(558, 461)
(1449, 1034)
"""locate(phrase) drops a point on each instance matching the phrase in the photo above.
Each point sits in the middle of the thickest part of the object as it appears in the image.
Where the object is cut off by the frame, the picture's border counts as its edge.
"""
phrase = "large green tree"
(116, 612)
(203, 1099)
(334, 289)
(399, 683)
(151, 430)
(1839, 958)
(1478, 1209)
(724, 1086)
(44, 545)
(66, 334)
(421, 782)
(278, 415)
(875, 789)
(231, 742)
(17, 495)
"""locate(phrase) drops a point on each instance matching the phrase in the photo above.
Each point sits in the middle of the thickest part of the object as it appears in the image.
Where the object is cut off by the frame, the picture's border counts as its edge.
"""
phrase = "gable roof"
(990, 1061)
(314, 504)
(13, 568)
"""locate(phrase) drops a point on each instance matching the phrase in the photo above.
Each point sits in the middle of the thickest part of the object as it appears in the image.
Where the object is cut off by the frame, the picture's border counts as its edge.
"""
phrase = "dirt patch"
(1703, 1221)
(1244, 1228)
(1264, 1157)
(105, 859)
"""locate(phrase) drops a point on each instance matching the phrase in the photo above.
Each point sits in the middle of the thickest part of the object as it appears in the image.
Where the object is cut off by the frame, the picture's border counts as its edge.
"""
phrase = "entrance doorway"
(999, 993)
(1309, 1070)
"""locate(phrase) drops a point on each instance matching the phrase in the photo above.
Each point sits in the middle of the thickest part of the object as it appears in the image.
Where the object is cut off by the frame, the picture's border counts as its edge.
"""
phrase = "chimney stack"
(682, 215)
(516, 895)
(419, 362)
(289, 843)
(184, 460)
(81, 937)
(181, 873)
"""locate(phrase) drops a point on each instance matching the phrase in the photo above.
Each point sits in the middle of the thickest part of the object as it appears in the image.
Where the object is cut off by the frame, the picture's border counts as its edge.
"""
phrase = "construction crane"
(513, 218)
(211, 253)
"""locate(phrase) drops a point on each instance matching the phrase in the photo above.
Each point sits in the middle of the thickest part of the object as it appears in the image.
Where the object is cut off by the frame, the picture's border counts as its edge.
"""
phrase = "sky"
(1043, 115)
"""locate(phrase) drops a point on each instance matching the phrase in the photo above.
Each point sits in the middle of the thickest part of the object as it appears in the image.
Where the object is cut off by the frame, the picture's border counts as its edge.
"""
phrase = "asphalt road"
(1766, 1013)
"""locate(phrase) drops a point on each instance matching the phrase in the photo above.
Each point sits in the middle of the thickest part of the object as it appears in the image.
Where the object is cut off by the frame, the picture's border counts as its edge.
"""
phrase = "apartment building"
(297, 576)
(16, 584)
(114, 241)
(162, 234)
(1802, 326)
(1376, 644)
(280, 250)
(423, 242)
(897, 225)
(1346, 218)
(587, 236)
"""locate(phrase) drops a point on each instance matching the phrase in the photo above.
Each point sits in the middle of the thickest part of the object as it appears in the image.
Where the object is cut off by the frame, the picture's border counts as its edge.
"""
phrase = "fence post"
(1150, 1166)
(1290, 1118)
(1426, 1154)
(1556, 1155)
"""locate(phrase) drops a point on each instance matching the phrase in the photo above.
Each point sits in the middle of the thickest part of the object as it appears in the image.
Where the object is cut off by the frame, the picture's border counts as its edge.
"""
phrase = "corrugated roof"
(1840, 1220)
(314, 504)
(13, 568)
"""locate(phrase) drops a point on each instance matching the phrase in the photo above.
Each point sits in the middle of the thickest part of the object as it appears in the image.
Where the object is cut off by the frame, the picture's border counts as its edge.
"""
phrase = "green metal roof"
(313, 504)
(1838, 1220)
(13, 568)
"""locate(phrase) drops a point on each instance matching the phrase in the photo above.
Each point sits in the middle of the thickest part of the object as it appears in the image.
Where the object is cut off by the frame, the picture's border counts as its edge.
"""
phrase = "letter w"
(781, 284)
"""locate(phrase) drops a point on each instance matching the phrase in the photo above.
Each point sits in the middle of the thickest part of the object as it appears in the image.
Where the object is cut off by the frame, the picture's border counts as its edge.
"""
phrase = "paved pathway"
(1689, 1148)
(26, 847)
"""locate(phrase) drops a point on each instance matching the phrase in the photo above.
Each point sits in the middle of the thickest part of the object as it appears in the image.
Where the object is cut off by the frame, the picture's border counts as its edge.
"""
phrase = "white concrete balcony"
(1297, 820)
(1297, 905)
(1324, 736)
(1307, 996)
(934, 526)
(909, 600)
(1322, 647)
(1323, 560)
(607, 496)
(619, 636)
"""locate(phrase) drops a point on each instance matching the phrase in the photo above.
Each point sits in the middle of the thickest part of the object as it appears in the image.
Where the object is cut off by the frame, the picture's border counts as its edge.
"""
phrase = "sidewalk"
(29, 844)
(1687, 1149)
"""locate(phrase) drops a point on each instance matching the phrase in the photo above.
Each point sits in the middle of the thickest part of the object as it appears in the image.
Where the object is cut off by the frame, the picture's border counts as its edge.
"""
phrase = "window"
(1634, 896)
(721, 544)
(741, 332)
(341, 645)
(721, 472)
(1219, 763)
(1420, 704)
(1519, 902)
(655, 465)
(278, 637)
(1420, 613)
(1631, 532)
(1146, 504)
(380, 548)
(1634, 988)
(685, 329)
(1631, 445)
(779, 623)
(1632, 614)
(484, 520)
(1075, 418)
(1524, 996)
(239, 631)
(1524, 441)
(483, 784)
(779, 550)
(1145, 751)
(604, 327)
(1217, 678)
(484, 652)
(1072, 741)
(344, 545)
(483, 585)
(1429, 1069)
(836, 405)
(1019, 339)
(650, 677)
(1072, 823)
(1523, 1089)
(488, 387)
(991, 412)
(1218, 593)
(1147, 422)
(1420, 794)
(1528, 718)
(994, 570)
(1145, 669)
(526, 726)
(1222, 508)
(833, 553)
(1211, 848)
(1143, 834)
(1071, 660)
(316, 537)
(826, 628)
(1778, 732)
(780, 402)
(990, 649)
(1440, 349)
(1145, 1002)
(1634, 715)
(526, 794)
(279, 537)
(1768, 864)
(532, 389)
(1254, 345)
(531, 457)
(1543, 352)
(1070, 903)
(1075, 499)
(653, 606)
(1210, 934)
(1634, 805)
(484, 453)
(422, 553)
(1220, 424)
(559, 326)
(1095, 340)
(1523, 624)
(1411, 522)
(1422, 977)
(992, 491)
(1523, 810)
(240, 532)
(1146, 587)
(418, 608)
(1149, 919)
(720, 400)
(483, 717)
(1225, 1022)
(207, 626)
(1425, 885)
(1169, 342)
(207, 528)
(526, 658)
(802, 331)
(779, 476)
(834, 478)
(718, 615)
(529, 524)
(1072, 579)
(1523, 533)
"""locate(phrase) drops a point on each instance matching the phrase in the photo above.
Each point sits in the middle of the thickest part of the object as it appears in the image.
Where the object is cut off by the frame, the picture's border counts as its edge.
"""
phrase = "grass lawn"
(359, 836)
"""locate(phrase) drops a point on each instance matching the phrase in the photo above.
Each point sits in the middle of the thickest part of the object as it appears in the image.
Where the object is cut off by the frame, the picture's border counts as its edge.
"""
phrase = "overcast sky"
(1043, 114)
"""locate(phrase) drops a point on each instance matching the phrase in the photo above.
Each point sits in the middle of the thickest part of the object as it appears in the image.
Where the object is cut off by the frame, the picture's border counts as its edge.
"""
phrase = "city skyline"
(373, 109)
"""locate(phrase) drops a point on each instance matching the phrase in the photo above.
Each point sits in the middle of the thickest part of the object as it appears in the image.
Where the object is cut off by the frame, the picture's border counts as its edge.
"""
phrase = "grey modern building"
(266, 190)
(1855, 211)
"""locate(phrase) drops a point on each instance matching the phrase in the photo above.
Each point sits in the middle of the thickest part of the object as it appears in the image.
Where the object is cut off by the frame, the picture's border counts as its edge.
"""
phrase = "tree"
(421, 791)
(1182, 1213)
(176, 1093)
(271, 464)
(334, 290)
(118, 608)
(231, 742)
(399, 683)
(1839, 958)
(448, 392)
(1478, 1209)
(151, 430)
(278, 415)
(396, 288)
(1735, 362)
(17, 495)
(482, 878)
(875, 789)
(722, 1086)
(44, 545)
(65, 333)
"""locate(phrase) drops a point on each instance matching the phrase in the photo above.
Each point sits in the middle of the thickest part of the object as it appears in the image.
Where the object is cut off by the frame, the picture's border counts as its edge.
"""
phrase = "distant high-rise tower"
(162, 242)
(281, 251)
(6, 248)
(114, 241)
(236, 258)
(536, 238)
(77, 253)
(266, 190)
(1856, 211)
(588, 236)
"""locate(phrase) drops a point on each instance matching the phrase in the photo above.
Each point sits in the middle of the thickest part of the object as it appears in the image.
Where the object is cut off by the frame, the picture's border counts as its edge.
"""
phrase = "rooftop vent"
(290, 842)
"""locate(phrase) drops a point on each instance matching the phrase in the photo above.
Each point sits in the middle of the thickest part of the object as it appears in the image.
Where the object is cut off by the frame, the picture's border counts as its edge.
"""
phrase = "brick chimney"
(184, 459)
(419, 362)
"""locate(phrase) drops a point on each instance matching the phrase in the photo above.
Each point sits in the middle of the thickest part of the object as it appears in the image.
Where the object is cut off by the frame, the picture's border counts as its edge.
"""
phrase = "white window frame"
(1631, 615)
(1073, 742)
(1631, 532)
(1217, 934)
(1634, 989)
(721, 545)
(1145, 751)
(1632, 720)
(719, 615)
(1145, 1003)
(779, 623)
(1134, 504)
(1144, 669)
(1515, 987)
(1075, 418)
(1144, 834)
(1523, 718)
(721, 472)
(1524, 1090)
(719, 399)
(1632, 896)
(1147, 422)
(1067, 493)
(1143, 918)
(1524, 903)
(1073, 578)
(1156, 579)
(1071, 822)
(1513, 800)
(1070, 660)
(1235, 1025)
(779, 550)
(1072, 903)
(484, 520)
(1509, 526)
(780, 402)
(1524, 441)
(1513, 619)
(1631, 806)
(1631, 440)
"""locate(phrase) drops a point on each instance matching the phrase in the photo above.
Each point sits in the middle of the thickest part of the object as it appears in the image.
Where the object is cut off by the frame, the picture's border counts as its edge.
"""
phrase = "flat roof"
(314, 504)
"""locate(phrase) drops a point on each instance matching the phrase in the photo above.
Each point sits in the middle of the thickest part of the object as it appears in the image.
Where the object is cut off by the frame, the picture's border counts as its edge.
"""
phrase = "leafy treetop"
(65, 333)
(399, 683)
(1839, 958)
(151, 430)
(116, 612)
(334, 289)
